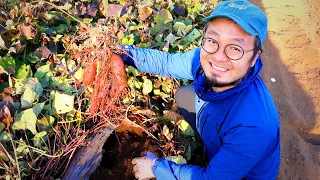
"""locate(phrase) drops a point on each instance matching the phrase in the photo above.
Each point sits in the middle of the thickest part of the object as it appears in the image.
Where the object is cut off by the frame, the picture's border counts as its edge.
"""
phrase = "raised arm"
(160, 62)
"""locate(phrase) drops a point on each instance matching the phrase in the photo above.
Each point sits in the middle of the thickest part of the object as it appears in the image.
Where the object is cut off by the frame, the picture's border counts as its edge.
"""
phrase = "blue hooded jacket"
(239, 127)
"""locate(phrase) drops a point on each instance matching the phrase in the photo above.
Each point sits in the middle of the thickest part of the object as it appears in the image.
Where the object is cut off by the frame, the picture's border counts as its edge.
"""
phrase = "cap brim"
(245, 26)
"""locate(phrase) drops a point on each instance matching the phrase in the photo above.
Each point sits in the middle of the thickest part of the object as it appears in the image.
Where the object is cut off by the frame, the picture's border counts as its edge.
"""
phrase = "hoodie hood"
(200, 83)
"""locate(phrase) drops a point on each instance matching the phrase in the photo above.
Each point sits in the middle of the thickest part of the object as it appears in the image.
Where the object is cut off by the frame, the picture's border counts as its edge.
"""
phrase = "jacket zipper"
(204, 122)
(199, 113)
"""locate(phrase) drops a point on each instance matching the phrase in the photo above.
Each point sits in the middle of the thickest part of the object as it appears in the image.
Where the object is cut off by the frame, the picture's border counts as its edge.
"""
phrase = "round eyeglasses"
(232, 51)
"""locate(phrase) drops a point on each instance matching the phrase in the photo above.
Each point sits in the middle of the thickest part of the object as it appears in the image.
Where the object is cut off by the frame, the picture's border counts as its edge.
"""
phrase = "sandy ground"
(292, 57)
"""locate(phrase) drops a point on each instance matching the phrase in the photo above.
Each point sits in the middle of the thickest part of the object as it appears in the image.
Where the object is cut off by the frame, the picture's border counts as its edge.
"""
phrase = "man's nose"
(220, 55)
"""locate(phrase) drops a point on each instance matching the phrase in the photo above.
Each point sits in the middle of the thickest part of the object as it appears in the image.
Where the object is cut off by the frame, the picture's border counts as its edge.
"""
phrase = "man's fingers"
(135, 169)
(134, 161)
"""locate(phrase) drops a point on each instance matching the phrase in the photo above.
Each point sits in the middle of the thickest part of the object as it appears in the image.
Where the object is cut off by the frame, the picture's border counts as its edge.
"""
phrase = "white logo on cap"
(237, 6)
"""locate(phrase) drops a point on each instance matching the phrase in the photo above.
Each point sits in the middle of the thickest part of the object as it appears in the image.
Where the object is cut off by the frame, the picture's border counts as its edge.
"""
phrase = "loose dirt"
(119, 149)
(291, 56)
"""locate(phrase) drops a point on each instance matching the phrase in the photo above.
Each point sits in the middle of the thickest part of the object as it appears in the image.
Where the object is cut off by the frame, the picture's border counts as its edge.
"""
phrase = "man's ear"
(255, 58)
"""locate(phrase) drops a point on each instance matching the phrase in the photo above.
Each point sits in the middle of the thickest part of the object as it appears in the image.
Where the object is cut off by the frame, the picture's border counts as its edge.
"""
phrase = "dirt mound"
(291, 56)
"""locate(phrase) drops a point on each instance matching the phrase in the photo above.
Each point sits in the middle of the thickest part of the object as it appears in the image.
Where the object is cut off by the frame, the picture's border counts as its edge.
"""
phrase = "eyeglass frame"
(243, 51)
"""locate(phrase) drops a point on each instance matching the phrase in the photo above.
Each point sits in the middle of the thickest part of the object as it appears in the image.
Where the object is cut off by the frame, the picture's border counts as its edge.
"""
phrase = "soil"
(116, 161)
(291, 56)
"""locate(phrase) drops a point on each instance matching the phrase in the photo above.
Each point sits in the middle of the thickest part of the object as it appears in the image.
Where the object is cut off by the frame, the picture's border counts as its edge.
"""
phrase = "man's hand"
(142, 166)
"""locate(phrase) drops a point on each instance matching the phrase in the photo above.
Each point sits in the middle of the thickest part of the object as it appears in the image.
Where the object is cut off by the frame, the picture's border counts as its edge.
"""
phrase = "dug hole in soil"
(119, 150)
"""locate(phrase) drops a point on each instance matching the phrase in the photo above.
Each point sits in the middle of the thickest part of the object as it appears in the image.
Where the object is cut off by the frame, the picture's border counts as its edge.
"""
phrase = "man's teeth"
(219, 68)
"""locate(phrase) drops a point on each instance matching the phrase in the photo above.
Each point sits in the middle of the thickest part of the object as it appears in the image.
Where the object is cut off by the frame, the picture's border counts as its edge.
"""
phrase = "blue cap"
(248, 16)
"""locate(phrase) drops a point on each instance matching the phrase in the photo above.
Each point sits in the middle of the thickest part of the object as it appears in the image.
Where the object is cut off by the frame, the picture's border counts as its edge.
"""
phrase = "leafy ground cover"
(60, 78)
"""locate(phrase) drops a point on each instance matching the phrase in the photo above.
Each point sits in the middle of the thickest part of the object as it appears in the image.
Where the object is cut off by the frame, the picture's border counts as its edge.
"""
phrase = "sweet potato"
(118, 70)
(89, 74)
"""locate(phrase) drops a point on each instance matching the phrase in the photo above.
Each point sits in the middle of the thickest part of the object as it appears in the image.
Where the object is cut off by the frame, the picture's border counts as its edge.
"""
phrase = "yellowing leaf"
(65, 7)
(177, 159)
(163, 17)
(144, 12)
(147, 86)
(28, 31)
(2, 44)
(185, 128)
(45, 123)
(166, 132)
(79, 73)
(63, 103)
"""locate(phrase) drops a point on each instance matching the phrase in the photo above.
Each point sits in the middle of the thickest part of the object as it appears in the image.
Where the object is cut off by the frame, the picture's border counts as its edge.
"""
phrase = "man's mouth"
(219, 68)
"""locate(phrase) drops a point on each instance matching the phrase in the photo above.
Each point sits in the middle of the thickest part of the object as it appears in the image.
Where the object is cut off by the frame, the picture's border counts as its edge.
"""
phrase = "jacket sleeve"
(241, 151)
(160, 62)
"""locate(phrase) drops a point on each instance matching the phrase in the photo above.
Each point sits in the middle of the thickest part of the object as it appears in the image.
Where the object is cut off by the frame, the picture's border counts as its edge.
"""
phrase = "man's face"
(222, 72)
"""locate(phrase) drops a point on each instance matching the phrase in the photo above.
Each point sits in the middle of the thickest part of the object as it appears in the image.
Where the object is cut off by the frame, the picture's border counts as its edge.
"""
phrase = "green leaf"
(195, 34)
(23, 71)
(178, 25)
(37, 138)
(22, 148)
(25, 120)
(185, 128)
(61, 83)
(2, 126)
(28, 98)
(44, 74)
(132, 70)
(32, 58)
(19, 86)
(188, 153)
(42, 71)
(61, 29)
(3, 85)
(177, 159)
(33, 90)
(155, 29)
(163, 17)
(38, 108)
(8, 63)
(171, 38)
(5, 136)
(63, 103)
(147, 86)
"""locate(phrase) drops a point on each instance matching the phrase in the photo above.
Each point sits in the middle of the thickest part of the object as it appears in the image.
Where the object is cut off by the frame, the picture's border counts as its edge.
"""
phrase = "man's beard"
(212, 81)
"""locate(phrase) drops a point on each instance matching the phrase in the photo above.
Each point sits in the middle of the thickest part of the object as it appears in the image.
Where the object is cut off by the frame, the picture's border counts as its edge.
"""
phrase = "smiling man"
(228, 105)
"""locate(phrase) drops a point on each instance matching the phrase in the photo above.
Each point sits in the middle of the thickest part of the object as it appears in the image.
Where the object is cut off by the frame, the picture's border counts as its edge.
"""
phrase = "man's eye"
(236, 49)
(211, 41)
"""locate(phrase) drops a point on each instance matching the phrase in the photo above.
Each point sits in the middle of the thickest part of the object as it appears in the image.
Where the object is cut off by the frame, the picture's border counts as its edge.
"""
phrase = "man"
(235, 115)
